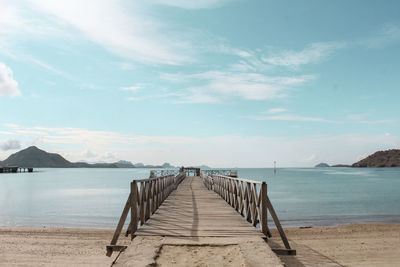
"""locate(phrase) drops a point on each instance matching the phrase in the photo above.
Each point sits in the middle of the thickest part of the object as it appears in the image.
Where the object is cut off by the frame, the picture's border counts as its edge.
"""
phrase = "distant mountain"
(321, 165)
(124, 164)
(387, 158)
(138, 165)
(35, 157)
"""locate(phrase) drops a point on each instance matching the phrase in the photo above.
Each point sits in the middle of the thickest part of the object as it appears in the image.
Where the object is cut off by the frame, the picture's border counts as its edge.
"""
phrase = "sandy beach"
(346, 245)
(34, 246)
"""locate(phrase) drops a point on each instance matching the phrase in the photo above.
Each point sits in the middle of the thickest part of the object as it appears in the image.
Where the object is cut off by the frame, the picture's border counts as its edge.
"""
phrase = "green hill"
(35, 157)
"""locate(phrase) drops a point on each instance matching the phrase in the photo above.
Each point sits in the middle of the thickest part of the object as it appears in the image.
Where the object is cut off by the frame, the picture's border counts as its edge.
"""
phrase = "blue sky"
(217, 82)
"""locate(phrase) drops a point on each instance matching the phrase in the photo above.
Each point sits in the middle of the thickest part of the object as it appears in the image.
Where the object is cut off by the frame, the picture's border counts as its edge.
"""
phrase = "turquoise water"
(301, 196)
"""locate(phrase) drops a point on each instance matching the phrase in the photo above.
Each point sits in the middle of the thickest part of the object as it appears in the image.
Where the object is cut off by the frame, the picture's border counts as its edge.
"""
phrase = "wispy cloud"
(196, 96)
(132, 88)
(8, 85)
(10, 144)
(93, 138)
(122, 28)
(281, 114)
(247, 85)
(362, 118)
(275, 110)
(77, 144)
(309, 159)
(200, 4)
(313, 53)
(388, 34)
(290, 117)
(47, 66)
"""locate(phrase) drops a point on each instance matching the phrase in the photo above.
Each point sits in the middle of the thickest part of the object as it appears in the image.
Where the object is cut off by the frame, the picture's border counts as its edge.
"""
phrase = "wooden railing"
(145, 197)
(160, 173)
(250, 199)
(231, 173)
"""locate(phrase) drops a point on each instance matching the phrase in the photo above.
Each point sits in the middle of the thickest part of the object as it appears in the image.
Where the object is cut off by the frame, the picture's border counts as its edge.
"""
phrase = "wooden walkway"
(194, 226)
(194, 211)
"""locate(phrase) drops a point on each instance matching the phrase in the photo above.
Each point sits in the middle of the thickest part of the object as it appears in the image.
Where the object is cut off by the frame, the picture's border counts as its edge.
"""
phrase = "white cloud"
(217, 151)
(362, 119)
(309, 159)
(275, 110)
(10, 144)
(8, 86)
(199, 4)
(133, 88)
(313, 53)
(196, 96)
(290, 117)
(88, 154)
(122, 27)
(8, 18)
(247, 85)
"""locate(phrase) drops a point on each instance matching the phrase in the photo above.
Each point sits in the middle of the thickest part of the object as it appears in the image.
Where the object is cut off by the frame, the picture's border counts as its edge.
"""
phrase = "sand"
(346, 245)
(54, 247)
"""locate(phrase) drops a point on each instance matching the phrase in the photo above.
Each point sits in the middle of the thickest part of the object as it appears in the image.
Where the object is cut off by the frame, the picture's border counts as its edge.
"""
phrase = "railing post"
(134, 212)
(264, 209)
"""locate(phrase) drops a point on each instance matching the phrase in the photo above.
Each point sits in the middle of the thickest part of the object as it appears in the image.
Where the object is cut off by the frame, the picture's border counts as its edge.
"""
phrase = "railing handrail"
(152, 179)
(142, 202)
(238, 179)
(243, 196)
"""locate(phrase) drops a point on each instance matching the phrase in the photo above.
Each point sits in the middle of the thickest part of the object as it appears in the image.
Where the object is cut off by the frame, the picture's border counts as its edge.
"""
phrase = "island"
(38, 158)
(387, 158)
(322, 165)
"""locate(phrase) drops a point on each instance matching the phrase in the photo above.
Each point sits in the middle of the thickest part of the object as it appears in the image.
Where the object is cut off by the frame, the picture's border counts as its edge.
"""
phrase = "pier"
(15, 169)
(205, 209)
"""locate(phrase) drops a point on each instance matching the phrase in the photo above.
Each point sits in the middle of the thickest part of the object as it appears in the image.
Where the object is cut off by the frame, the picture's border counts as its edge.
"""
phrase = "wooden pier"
(15, 169)
(192, 208)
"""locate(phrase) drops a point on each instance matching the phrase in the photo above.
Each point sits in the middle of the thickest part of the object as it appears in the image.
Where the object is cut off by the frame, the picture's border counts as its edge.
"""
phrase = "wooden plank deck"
(194, 226)
(194, 211)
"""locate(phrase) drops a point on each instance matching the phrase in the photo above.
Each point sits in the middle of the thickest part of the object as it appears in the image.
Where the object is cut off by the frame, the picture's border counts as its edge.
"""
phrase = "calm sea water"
(301, 196)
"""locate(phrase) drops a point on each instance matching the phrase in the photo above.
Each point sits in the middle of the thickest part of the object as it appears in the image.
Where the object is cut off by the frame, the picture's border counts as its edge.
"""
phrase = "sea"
(94, 198)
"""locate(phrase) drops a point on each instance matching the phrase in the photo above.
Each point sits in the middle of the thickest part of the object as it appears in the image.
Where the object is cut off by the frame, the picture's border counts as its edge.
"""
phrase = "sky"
(226, 83)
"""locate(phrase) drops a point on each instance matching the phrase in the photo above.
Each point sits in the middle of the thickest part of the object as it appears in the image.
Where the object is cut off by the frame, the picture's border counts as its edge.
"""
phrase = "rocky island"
(387, 158)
